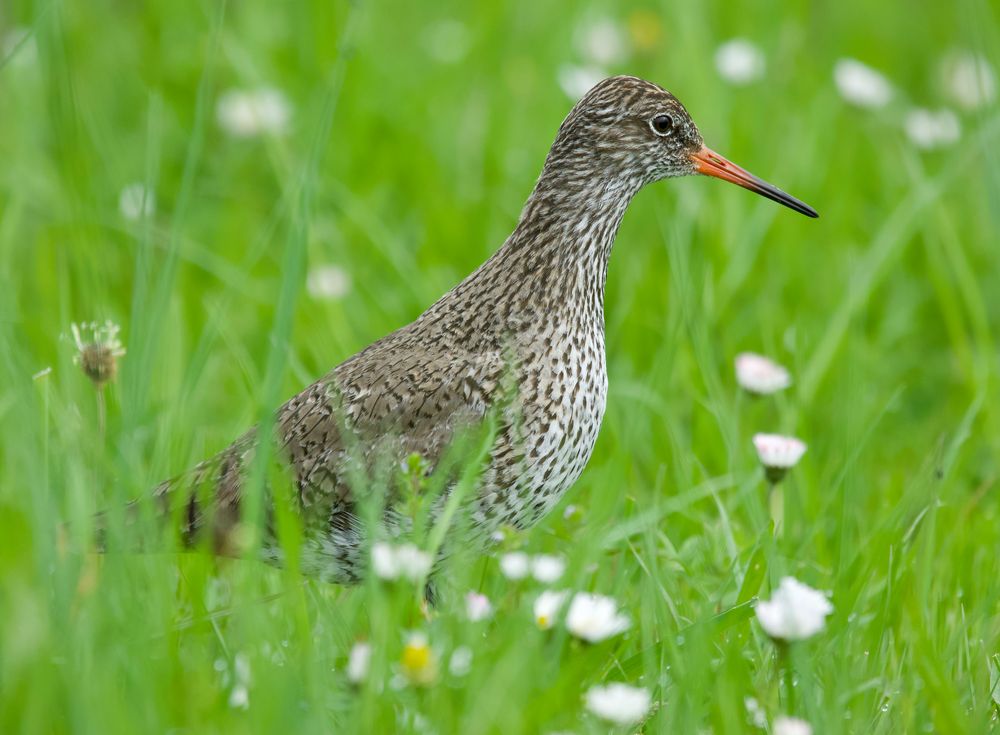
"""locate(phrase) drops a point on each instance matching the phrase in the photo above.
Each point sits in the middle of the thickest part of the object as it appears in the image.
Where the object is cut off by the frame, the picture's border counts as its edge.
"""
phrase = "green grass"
(408, 172)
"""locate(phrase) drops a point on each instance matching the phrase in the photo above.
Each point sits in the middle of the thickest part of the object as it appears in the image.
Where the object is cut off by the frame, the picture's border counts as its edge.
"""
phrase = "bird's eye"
(662, 124)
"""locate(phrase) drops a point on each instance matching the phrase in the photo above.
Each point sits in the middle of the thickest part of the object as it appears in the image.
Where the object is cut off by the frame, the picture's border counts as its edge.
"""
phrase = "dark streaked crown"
(626, 126)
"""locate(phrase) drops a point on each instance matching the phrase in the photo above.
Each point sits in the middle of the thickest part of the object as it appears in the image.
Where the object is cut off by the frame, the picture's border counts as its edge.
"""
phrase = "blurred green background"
(400, 141)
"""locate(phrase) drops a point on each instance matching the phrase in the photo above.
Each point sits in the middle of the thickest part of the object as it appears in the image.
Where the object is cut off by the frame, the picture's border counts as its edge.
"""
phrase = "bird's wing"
(374, 410)
(382, 404)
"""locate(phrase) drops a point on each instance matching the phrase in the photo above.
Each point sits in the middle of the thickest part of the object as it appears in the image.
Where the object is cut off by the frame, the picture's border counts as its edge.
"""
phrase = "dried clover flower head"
(97, 350)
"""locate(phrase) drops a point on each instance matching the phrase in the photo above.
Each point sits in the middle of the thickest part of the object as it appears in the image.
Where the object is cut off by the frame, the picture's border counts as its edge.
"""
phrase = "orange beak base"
(710, 163)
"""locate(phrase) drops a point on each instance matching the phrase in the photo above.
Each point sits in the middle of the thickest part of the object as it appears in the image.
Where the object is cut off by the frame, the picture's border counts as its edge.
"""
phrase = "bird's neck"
(559, 251)
(551, 272)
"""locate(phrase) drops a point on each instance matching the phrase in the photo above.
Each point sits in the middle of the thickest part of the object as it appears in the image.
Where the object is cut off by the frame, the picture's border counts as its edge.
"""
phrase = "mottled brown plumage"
(524, 333)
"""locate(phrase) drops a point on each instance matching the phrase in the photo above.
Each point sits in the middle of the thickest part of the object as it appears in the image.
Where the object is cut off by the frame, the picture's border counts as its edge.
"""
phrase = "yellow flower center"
(416, 657)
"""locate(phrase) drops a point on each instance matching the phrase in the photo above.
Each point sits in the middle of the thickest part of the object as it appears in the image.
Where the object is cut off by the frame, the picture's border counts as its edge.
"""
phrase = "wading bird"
(525, 330)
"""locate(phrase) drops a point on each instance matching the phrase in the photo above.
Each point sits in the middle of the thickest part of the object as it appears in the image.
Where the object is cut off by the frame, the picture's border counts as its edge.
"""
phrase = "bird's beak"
(708, 162)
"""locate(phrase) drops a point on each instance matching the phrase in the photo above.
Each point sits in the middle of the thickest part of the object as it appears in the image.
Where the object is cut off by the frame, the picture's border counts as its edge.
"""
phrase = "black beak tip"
(789, 201)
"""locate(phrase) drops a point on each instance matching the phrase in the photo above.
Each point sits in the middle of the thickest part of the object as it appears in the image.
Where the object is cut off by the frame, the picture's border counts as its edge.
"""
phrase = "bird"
(520, 342)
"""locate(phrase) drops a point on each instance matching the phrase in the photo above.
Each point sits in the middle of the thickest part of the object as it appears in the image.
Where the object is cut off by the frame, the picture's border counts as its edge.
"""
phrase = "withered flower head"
(97, 350)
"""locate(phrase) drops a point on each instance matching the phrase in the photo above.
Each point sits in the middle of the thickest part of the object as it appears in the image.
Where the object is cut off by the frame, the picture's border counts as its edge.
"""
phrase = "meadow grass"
(406, 166)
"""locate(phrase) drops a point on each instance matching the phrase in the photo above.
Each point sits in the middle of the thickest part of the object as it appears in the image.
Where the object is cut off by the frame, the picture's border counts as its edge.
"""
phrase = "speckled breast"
(562, 401)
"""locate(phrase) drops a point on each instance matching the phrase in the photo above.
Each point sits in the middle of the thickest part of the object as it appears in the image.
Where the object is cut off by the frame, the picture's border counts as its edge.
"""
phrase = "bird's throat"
(562, 242)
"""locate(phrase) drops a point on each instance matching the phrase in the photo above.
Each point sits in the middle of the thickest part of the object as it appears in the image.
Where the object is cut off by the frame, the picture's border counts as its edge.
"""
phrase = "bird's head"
(632, 129)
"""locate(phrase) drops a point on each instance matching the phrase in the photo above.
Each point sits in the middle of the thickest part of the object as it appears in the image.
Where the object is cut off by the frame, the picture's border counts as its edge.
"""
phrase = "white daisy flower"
(460, 662)
(328, 282)
(477, 606)
(247, 113)
(406, 561)
(602, 42)
(547, 568)
(929, 129)
(576, 81)
(861, 85)
(239, 697)
(619, 703)
(136, 202)
(778, 453)
(795, 611)
(413, 563)
(791, 726)
(761, 375)
(418, 662)
(739, 61)
(968, 79)
(358, 662)
(595, 617)
(757, 715)
(515, 565)
(547, 607)
(384, 560)
(447, 41)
